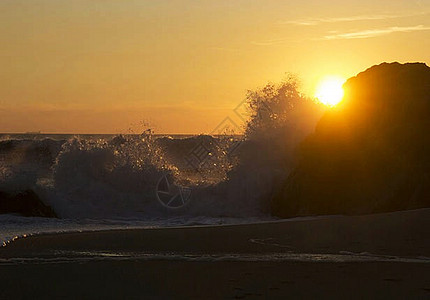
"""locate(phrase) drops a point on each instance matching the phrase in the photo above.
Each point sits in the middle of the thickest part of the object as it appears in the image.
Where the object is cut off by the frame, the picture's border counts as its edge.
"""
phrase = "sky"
(119, 66)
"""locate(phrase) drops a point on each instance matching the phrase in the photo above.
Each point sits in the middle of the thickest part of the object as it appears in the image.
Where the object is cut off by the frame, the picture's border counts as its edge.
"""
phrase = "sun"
(330, 91)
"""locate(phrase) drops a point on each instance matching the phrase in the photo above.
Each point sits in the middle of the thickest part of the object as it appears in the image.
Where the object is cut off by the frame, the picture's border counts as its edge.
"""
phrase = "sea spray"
(116, 176)
(280, 118)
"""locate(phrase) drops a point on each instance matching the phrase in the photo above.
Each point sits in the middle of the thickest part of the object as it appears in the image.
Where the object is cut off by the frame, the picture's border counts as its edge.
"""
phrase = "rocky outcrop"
(26, 203)
(369, 154)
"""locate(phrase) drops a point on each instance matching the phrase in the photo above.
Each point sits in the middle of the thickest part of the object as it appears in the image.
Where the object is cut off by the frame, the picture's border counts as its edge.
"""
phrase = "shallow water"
(13, 227)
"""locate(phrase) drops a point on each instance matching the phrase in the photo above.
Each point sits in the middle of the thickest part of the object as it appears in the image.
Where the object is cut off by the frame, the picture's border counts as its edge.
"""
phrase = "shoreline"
(197, 226)
(307, 233)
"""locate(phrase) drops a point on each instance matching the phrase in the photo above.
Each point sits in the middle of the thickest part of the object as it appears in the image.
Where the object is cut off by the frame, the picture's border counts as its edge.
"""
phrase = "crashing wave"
(118, 177)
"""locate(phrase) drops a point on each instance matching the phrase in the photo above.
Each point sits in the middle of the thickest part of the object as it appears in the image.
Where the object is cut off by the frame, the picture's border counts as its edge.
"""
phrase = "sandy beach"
(373, 256)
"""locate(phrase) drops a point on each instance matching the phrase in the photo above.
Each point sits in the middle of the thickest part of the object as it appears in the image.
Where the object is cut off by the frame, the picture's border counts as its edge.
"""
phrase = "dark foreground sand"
(318, 259)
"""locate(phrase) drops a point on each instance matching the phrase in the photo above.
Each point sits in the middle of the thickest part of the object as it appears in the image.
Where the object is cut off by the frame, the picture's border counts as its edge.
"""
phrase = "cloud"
(316, 21)
(363, 34)
(374, 32)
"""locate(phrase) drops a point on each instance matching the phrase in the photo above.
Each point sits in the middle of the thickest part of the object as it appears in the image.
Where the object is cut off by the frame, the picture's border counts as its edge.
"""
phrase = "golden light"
(330, 91)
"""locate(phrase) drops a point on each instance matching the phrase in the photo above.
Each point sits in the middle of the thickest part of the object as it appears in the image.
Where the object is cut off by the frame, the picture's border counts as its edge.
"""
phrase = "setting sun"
(330, 91)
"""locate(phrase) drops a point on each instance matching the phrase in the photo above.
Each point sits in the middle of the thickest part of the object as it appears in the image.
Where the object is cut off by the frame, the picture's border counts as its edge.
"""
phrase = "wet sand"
(377, 256)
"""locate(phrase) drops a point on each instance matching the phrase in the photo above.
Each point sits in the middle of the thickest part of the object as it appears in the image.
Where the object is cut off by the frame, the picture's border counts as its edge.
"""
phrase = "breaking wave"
(226, 175)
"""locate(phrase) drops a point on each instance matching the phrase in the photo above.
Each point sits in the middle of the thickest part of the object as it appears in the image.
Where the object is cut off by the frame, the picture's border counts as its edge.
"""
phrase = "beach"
(215, 149)
(372, 256)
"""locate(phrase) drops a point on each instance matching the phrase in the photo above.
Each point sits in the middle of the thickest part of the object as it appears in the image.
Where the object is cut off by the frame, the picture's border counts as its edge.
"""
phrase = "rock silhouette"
(369, 154)
(26, 203)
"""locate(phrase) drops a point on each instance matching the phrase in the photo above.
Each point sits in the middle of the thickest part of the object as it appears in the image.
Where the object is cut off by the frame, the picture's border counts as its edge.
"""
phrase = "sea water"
(105, 182)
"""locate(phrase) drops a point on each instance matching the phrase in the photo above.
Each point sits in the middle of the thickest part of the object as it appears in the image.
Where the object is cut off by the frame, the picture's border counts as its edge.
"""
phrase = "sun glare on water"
(330, 91)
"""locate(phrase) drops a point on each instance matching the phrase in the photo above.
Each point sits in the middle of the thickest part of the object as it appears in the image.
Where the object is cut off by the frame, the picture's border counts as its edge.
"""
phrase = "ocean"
(105, 182)
(97, 182)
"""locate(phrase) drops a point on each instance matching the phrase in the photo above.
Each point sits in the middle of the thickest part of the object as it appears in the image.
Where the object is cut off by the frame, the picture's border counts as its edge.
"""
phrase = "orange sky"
(104, 66)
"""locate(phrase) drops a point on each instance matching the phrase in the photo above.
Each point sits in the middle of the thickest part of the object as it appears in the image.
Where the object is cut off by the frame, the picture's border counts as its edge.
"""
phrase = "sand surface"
(376, 256)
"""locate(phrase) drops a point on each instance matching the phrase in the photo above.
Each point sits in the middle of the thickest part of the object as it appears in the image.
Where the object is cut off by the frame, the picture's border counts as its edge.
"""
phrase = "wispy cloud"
(316, 21)
(363, 34)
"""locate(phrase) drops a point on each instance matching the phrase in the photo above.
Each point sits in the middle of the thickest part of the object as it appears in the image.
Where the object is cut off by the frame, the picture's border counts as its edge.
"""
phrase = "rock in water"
(26, 203)
(370, 153)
